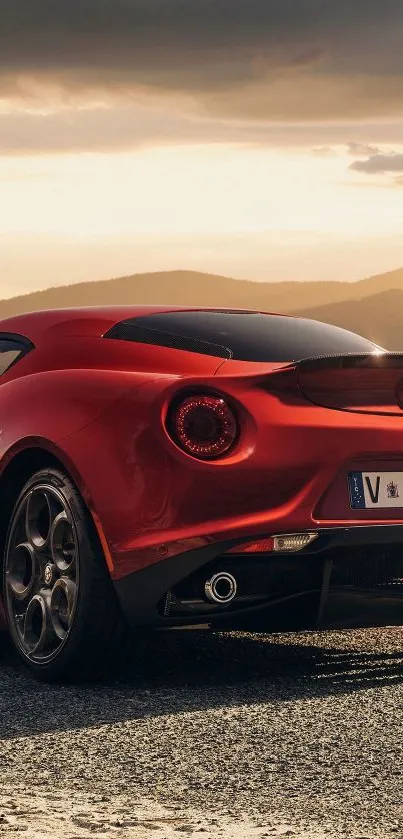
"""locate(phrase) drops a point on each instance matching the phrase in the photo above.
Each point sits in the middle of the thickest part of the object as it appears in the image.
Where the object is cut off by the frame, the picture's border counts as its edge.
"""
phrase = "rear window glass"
(247, 336)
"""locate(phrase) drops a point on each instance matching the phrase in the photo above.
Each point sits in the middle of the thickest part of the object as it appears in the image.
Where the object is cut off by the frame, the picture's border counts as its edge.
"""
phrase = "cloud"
(384, 164)
(139, 125)
(255, 59)
(363, 149)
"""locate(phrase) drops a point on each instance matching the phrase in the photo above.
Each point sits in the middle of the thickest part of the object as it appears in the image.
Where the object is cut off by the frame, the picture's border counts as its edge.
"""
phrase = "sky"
(255, 138)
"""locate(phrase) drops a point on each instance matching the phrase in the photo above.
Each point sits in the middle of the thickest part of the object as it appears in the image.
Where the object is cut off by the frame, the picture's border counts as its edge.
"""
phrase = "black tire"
(62, 611)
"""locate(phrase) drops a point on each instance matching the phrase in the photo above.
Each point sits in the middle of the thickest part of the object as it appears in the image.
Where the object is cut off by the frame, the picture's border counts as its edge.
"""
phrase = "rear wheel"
(62, 610)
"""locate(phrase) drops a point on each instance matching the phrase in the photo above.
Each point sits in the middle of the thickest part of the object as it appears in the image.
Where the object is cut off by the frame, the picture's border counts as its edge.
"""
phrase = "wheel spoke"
(41, 511)
(61, 605)
(62, 544)
(21, 572)
(38, 631)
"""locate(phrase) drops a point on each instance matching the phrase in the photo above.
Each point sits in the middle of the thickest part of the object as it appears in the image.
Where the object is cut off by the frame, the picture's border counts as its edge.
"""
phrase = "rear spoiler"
(372, 360)
(364, 382)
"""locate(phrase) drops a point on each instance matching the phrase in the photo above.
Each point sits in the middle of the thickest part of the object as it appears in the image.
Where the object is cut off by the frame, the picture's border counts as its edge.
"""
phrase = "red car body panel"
(278, 478)
(100, 406)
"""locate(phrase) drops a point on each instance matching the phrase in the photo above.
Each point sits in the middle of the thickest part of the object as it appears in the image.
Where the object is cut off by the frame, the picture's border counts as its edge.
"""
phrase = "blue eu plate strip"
(356, 487)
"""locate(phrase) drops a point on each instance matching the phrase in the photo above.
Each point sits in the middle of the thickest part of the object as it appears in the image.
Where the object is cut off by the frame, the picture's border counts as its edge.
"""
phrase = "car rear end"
(273, 486)
(322, 487)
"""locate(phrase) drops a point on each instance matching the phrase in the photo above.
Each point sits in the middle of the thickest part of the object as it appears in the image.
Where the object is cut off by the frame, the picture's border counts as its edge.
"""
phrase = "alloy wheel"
(41, 573)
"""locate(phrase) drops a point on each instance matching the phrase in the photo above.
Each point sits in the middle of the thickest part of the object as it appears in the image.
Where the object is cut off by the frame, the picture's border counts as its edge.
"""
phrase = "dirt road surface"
(211, 736)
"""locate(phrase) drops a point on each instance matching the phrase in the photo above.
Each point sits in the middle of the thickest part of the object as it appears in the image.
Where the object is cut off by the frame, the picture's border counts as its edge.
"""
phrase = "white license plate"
(375, 489)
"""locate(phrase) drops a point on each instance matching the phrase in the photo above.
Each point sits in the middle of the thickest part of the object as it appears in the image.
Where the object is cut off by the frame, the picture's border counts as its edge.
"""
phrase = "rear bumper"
(350, 576)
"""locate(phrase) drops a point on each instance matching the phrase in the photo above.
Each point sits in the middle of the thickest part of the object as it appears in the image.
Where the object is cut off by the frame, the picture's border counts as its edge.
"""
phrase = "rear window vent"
(130, 331)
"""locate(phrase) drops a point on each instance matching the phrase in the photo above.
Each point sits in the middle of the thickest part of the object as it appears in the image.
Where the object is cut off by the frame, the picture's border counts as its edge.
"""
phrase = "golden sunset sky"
(255, 138)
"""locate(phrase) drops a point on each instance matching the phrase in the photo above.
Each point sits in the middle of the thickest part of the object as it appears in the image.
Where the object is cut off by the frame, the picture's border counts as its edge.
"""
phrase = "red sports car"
(166, 466)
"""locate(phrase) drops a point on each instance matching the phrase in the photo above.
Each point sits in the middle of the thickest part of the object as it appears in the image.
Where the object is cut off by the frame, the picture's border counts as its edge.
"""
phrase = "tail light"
(204, 426)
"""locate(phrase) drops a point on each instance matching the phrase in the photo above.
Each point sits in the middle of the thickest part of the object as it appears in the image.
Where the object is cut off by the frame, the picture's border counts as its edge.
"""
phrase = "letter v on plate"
(374, 494)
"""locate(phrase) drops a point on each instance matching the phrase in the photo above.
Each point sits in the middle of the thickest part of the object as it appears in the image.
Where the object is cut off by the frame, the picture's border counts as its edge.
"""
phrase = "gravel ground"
(212, 735)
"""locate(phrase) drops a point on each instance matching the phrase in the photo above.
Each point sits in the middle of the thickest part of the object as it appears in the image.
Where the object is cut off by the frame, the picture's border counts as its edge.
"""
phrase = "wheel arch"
(19, 464)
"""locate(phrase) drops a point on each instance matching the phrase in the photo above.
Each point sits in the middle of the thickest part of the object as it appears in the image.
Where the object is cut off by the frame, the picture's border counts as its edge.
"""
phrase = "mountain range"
(372, 306)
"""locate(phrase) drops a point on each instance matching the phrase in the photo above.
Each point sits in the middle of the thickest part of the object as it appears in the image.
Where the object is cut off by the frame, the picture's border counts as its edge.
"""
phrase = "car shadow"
(189, 671)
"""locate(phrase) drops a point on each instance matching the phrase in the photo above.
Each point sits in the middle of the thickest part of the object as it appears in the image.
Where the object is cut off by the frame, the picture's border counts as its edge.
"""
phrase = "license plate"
(375, 489)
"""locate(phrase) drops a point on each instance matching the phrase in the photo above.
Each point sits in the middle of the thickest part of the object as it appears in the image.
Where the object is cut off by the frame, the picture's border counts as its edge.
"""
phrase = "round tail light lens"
(204, 426)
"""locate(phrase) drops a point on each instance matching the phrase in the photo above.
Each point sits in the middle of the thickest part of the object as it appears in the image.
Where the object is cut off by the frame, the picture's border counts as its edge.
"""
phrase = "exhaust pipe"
(221, 588)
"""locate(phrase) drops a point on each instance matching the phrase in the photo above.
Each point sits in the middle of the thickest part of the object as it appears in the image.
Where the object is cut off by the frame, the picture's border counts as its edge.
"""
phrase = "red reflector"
(262, 546)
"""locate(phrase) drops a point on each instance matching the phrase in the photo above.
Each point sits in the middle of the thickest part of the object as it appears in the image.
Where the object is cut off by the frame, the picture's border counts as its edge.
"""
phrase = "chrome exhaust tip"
(221, 588)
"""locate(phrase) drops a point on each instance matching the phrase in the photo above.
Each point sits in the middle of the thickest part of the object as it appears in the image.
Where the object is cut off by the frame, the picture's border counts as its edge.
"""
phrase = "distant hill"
(378, 317)
(373, 306)
(188, 288)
